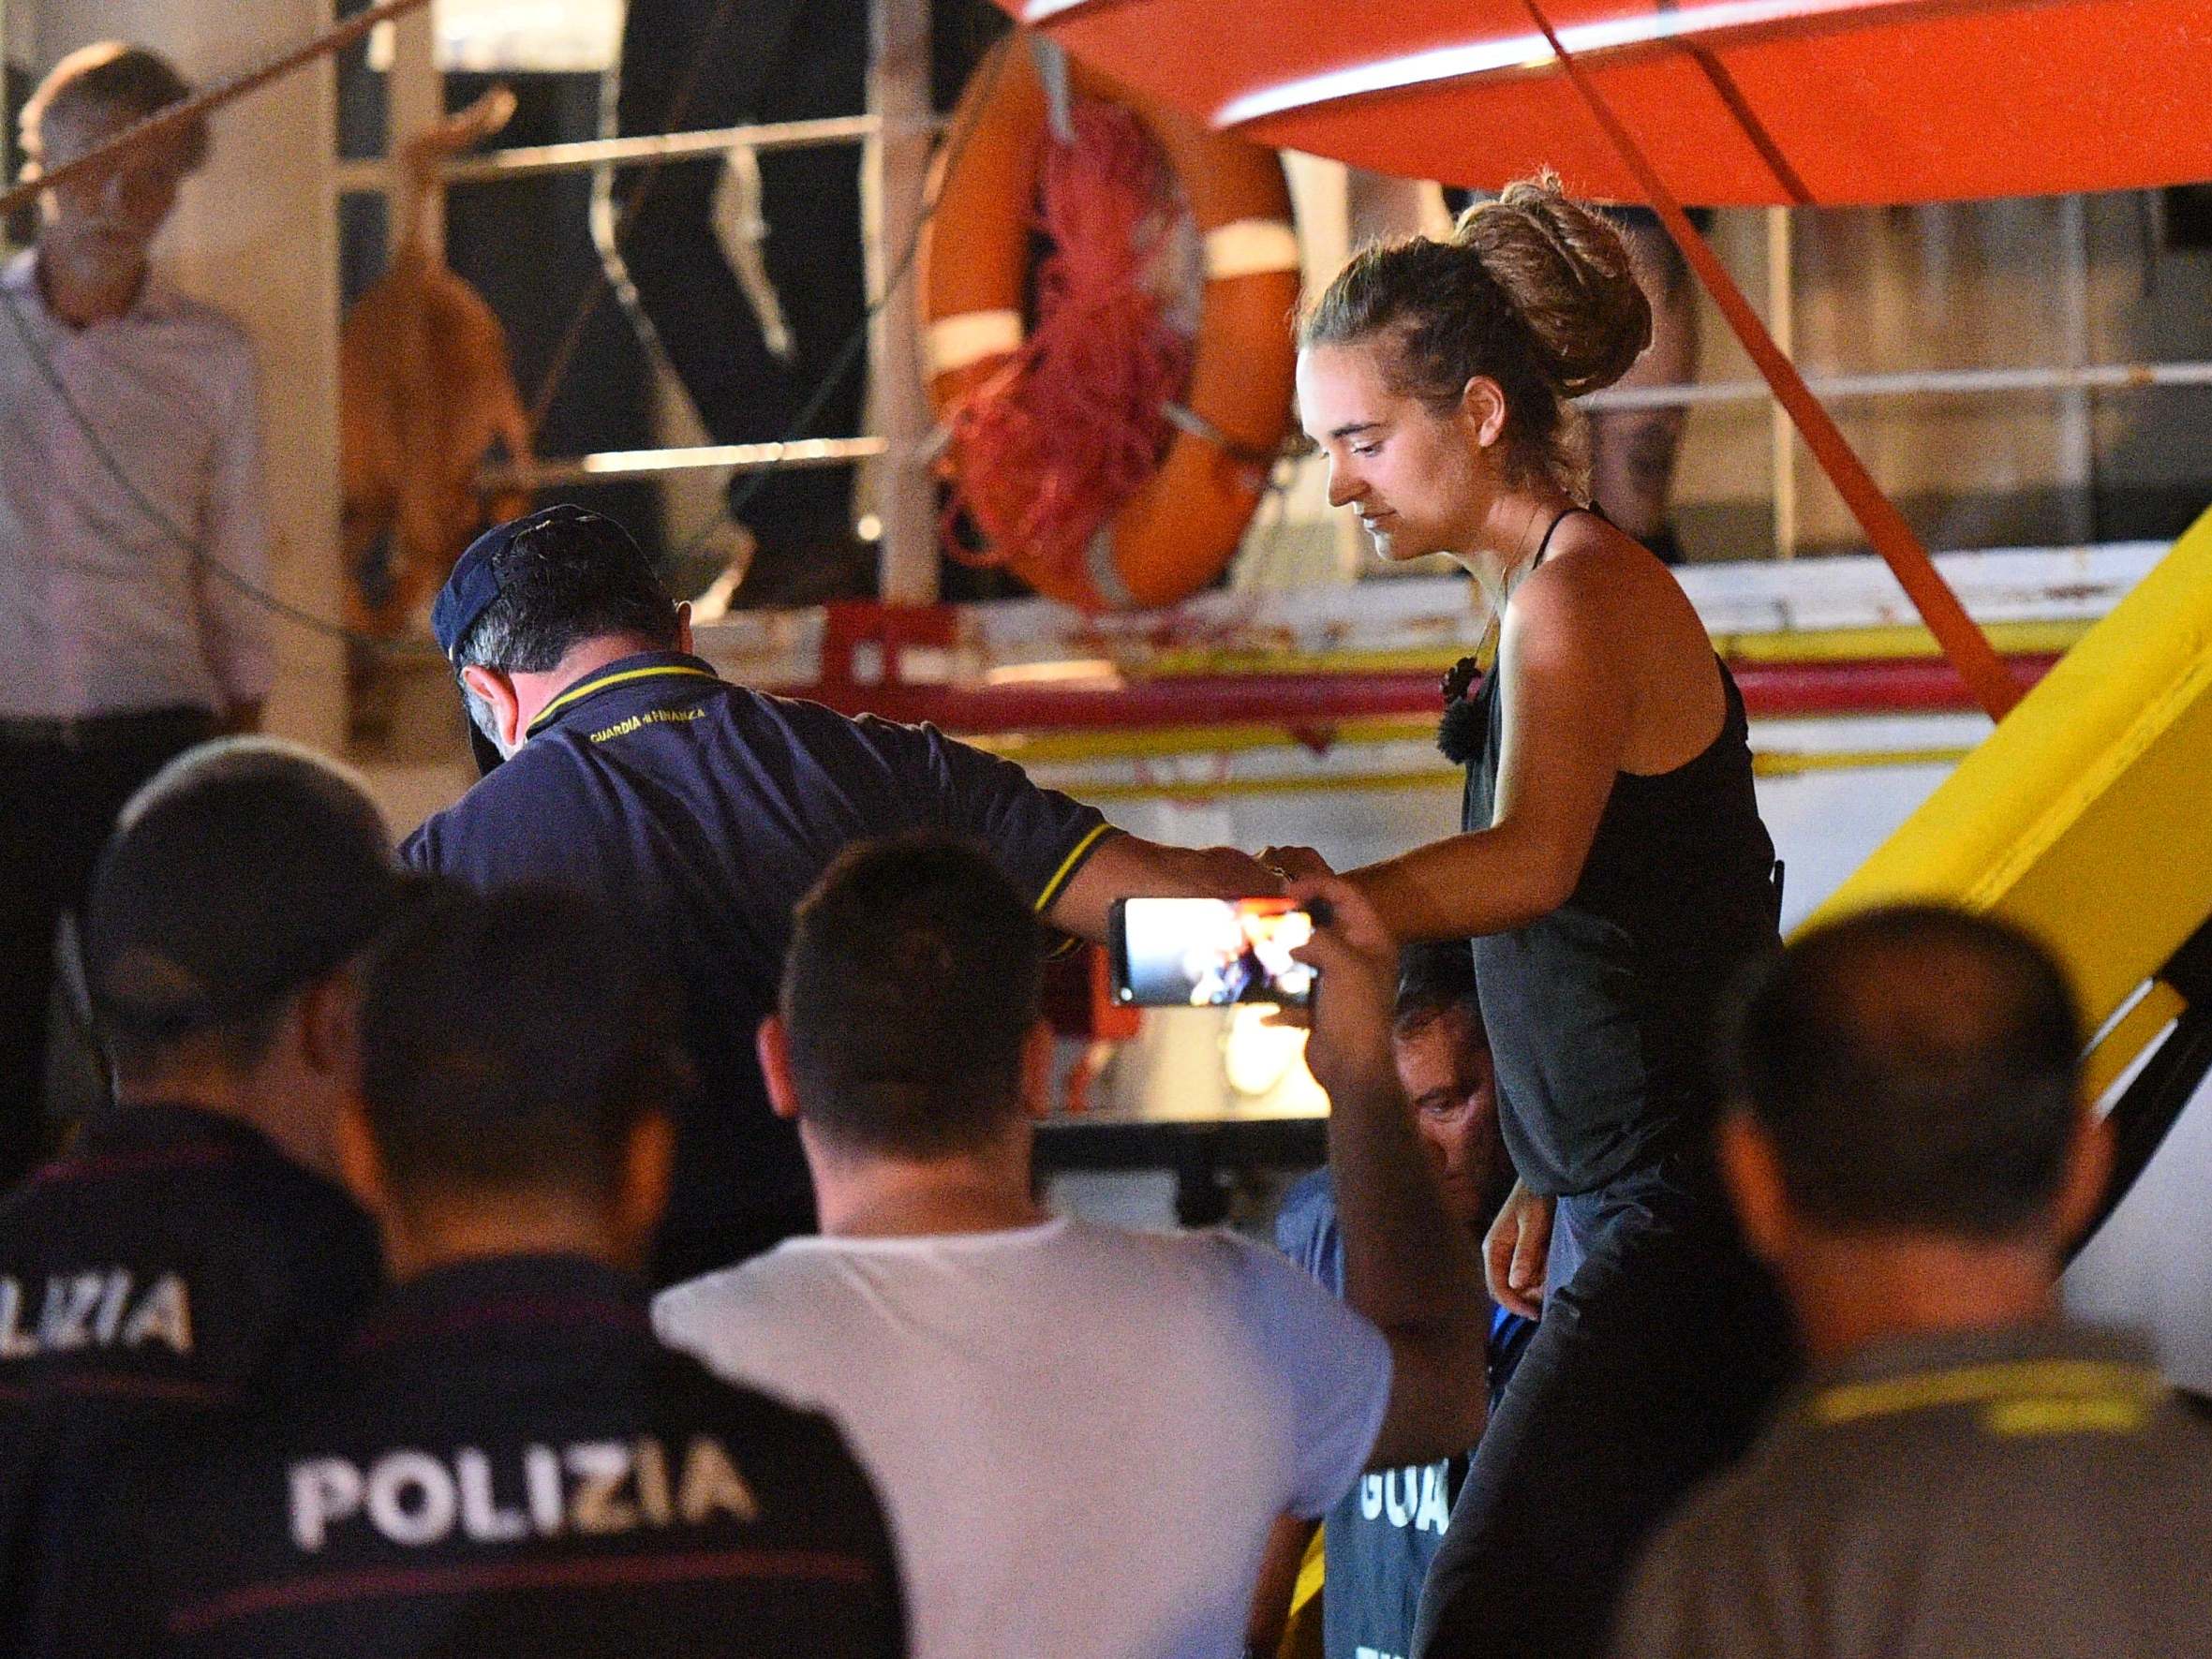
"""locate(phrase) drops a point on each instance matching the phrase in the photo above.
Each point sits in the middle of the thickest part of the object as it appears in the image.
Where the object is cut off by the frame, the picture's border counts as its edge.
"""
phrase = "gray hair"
(112, 76)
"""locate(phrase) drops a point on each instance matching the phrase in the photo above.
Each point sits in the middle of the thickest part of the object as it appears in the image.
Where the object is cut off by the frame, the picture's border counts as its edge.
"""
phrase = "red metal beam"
(1962, 642)
(1923, 686)
(1771, 690)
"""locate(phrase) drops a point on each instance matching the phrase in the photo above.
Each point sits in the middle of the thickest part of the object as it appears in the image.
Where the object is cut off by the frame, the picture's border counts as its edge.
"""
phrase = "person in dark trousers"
(691, 64)
(1614, 875)
(694, 64)
(704, 811)
(1964, 1473)
(130, 469)
(1381, 1536)
(192, 1249)
(503, 1460)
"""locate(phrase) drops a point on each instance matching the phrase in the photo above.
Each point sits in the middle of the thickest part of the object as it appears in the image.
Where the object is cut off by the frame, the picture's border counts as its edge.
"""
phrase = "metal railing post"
(1782, 321)
(2077, 432)
(899, 167)
(414, 99)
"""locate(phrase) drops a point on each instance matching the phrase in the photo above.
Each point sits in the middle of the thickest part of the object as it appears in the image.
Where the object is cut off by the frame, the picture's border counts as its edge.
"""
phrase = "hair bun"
(1563, 268)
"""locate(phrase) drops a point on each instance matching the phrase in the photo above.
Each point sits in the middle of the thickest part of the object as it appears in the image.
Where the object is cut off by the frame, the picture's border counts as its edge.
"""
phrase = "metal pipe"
(2104, 376)
(1919, 382)
(526, 160)
(1778, 763)
(558, 472)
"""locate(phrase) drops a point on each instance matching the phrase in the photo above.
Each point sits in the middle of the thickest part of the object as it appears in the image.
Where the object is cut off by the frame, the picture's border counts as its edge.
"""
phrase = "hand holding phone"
(1210, 953)
(1353, 951)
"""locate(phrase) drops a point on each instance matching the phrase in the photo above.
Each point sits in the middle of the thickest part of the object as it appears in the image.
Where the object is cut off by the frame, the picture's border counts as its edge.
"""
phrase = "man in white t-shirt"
(1081, 1433)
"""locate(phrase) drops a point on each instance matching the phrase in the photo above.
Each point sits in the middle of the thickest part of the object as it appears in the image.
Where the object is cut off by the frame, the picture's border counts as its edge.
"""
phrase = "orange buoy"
(1179, 529)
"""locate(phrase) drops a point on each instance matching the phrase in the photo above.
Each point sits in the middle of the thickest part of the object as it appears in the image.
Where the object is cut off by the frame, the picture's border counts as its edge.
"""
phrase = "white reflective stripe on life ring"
(955, 341)
(1104, 569)
(1250, 248)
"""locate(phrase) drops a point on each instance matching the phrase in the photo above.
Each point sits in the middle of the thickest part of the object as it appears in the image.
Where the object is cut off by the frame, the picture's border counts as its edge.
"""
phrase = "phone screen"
(1208, 953)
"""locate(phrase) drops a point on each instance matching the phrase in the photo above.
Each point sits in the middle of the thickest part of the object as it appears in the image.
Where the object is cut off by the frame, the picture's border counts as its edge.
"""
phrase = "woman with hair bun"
(1614, 875)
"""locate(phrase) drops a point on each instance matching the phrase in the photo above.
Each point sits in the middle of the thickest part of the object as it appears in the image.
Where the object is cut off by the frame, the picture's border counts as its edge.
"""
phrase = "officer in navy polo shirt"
(504, 1461)
(1381, 1536)
(619, 763)
(192, 1250)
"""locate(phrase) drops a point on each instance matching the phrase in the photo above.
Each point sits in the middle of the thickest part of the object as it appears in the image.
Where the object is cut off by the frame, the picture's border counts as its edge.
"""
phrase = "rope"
(179, 115)
(167, 527)
(849, 355)
(167, 120)
(336, 40)
(215, 97)
(1969, 651)
(1074, 424)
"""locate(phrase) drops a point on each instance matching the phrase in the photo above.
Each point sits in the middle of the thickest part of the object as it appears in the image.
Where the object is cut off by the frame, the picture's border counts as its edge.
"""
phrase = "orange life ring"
(1180, 530)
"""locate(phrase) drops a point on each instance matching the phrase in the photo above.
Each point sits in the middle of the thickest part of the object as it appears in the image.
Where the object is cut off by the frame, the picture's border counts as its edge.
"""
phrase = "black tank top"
(1599, 1014)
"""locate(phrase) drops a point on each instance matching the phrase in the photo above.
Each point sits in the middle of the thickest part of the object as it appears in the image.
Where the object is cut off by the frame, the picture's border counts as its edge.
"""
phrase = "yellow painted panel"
(2086, 816)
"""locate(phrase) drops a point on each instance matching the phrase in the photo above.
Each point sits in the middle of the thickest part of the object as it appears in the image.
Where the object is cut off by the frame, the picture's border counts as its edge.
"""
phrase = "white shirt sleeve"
(1336, 1365)
(681, 1321)
(236, 626)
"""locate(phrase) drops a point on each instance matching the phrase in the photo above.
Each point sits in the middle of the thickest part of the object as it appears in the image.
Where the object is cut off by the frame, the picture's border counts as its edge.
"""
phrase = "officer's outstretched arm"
(1126, 865)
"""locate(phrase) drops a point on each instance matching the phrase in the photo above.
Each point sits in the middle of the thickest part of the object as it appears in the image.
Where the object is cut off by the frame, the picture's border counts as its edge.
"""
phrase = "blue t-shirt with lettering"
(1383, 1533)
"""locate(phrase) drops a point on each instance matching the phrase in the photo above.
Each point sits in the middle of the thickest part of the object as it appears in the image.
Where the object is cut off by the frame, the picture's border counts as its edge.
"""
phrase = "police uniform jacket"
(175, 1261)
(704, 811)
(505, 1461)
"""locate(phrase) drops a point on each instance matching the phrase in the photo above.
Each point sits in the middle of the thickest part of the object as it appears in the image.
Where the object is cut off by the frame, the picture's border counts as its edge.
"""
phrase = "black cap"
(470, 591)
(248, 868)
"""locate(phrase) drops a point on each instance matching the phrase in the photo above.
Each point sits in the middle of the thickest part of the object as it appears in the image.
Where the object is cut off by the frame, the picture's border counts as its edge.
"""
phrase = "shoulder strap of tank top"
(1552, 529)
(1487, 651)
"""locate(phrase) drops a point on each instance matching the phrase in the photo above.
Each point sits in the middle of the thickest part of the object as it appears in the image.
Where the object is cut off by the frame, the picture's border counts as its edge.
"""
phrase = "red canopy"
(1735, 101)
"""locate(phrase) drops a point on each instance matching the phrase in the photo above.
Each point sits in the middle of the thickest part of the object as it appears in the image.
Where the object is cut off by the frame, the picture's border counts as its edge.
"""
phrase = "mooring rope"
(199, 104)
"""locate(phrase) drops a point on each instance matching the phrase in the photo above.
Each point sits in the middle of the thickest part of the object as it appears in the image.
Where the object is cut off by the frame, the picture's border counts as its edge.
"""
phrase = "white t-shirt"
(1081, 1433)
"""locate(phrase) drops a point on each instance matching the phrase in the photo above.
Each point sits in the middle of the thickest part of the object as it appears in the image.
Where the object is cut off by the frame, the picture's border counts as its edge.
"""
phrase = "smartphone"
(1208, 953)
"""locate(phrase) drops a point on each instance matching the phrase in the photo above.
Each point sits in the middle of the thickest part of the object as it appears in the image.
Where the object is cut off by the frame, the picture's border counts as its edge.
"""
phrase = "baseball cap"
(475, 583)
(245, 869)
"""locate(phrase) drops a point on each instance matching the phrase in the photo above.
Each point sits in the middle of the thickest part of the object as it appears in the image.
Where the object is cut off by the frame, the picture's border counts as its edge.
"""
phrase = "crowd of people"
(606, 1222)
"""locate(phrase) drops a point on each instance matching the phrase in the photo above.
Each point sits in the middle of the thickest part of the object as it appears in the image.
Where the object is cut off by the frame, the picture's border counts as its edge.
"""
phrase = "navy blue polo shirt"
(502, 1462)
(174, 1263)
(1381, 1536)
(704, 811)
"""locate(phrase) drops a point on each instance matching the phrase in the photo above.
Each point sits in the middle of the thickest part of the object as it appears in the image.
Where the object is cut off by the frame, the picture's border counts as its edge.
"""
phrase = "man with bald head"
(1964, 1473)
